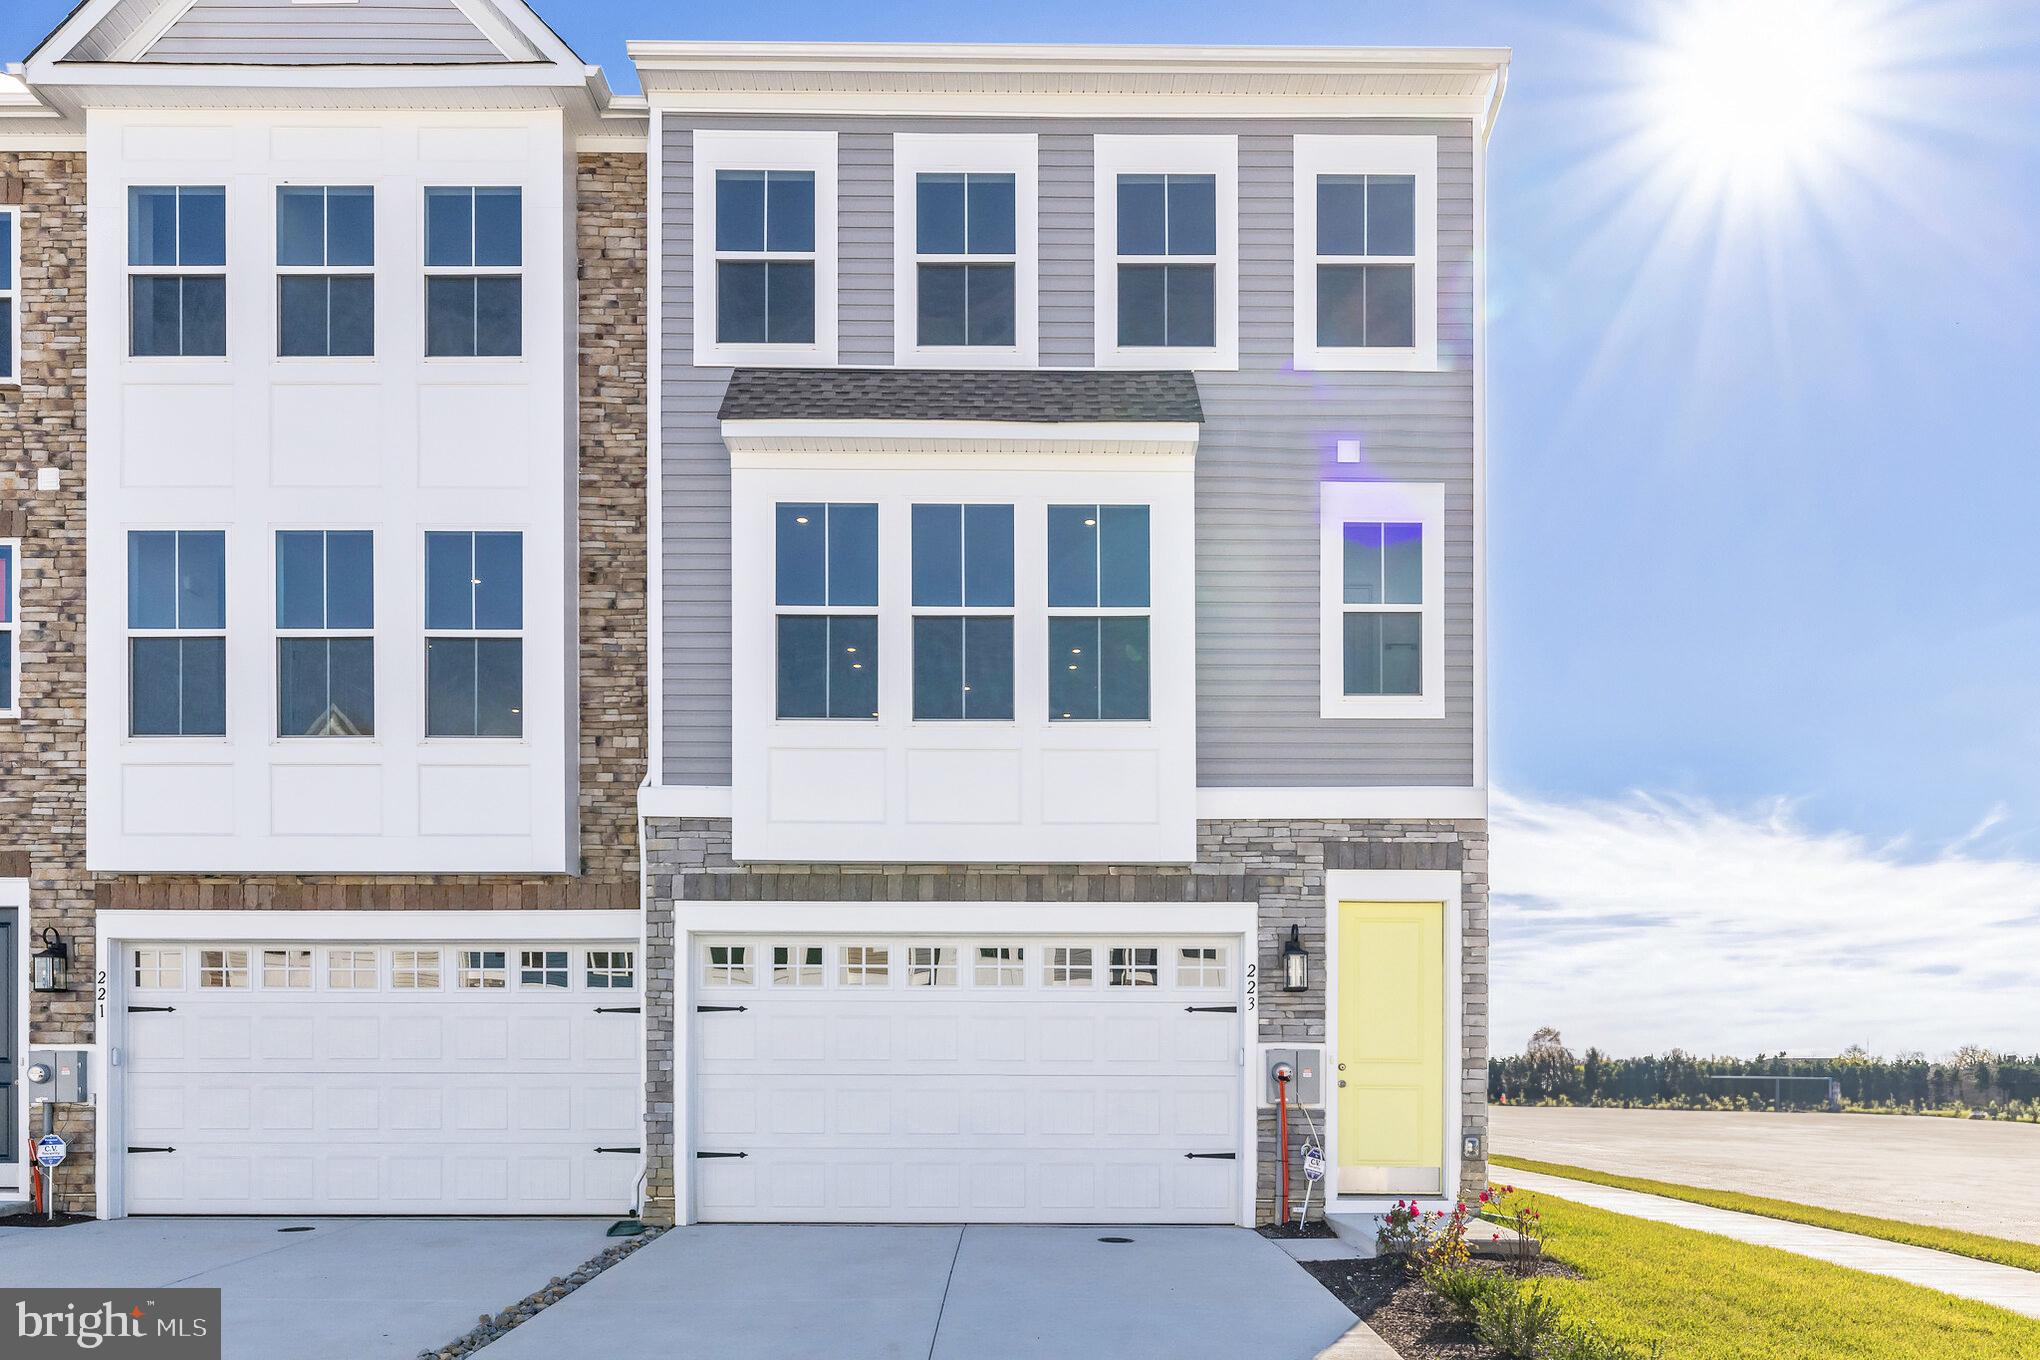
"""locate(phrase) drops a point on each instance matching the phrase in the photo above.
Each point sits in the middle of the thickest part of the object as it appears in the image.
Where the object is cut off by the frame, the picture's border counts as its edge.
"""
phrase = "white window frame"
(758, 150)
(478, 974)
(348, 963)
(1060, 966)
(544, 969)
(227, 969)
(417, 965)
(796, 964)
(735, 969)
(10, 624)
(1420, 503)
(423, 569)
(324, 271)
(11, 294)
(1367, 155)
(871, 967)
(1100, 612)
(428, 272)
(1131, 967)
(297, 974)
(618, 970)
(130, 271)
(1015, 154)
(927, 959)
(1011, 958)
(129, 633)
(1201, 972)
(965, 610)
(161, 962)
(327, 634)
(1217, 156)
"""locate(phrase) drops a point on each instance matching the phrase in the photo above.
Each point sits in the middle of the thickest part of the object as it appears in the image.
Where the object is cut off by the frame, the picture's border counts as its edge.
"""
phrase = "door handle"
(1342, 1083)
(1342, 1067)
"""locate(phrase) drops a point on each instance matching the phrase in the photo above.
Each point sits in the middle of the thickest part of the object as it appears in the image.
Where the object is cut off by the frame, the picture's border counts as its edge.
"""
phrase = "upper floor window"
(826, 588)
(325, 270)
(10, 607)
(474, 272)
(1168, 251)
(177, 633)
(764, 247)
(765, 257)
(1098, 602)
(325, 622)
(966, 252)
(1367, 261)
(963, 611)
(177, 271)
(10, 294)
(1384, 621)
(474, 643)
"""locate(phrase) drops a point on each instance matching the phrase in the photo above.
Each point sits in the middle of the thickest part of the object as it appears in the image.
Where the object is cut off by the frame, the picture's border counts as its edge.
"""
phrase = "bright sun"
(1757, 95)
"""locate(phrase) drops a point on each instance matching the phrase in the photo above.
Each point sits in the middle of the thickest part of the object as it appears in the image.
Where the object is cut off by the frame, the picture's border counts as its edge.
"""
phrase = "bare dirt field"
(1980, 1175)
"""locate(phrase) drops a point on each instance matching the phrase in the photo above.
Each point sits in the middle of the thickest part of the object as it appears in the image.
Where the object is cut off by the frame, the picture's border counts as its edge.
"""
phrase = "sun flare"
(1759, 94)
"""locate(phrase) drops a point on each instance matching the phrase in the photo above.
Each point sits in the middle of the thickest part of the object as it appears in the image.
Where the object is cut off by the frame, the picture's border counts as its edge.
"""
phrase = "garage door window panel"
(1134, 966)
(726, 965)
(867, 965)
(415, 970)
(159, 969)
(287, 968)
(543, 968)
(931, 965)
(1069, 966)
(612, 969)
(797, 965)
(222, 969)
(1001, 965)
(1201, 966)
(352, 970)
(483, 970)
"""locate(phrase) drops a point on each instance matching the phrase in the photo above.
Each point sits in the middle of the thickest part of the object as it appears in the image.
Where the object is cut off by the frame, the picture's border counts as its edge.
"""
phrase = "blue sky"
(1763, 548)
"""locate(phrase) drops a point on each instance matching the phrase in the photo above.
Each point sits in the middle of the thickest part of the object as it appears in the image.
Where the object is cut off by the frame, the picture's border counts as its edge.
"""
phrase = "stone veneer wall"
(1280, 865)
(42, 756)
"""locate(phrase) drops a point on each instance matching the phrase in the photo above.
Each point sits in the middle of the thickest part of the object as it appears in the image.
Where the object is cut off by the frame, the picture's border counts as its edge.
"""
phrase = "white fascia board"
(493, 75)
(657, 54)
(128, 923)
(968, 431)
(967, 918)
(1127, 446)
(1360, 804)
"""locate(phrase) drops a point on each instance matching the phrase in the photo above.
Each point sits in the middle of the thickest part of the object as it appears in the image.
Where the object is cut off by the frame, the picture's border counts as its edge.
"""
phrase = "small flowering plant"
(1502, 1204)
(1425, 1239)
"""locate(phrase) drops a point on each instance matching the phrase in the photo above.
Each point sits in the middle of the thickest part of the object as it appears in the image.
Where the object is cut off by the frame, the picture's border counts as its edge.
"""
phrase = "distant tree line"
(2003, 1085)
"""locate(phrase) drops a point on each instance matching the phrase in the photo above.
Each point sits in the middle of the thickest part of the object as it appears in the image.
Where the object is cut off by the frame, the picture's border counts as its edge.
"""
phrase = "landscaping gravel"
(491, 1327)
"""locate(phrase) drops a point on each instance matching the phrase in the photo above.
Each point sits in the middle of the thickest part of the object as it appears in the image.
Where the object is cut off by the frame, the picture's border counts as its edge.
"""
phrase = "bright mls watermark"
(116, 1324)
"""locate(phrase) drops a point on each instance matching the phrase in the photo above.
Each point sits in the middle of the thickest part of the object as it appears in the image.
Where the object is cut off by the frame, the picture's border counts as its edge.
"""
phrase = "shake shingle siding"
(1269, 437)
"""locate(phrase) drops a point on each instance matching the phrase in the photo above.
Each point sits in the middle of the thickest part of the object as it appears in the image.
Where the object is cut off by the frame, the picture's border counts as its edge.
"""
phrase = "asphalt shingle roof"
(1031, 395)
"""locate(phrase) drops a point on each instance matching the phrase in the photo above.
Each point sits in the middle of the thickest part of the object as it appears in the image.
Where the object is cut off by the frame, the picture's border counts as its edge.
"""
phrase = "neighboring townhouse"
(1068, 508)
(322, 637)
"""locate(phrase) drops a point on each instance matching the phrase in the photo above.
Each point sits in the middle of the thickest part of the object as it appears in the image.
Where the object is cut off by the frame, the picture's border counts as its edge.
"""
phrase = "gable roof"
(1030, 396)
(283, 33)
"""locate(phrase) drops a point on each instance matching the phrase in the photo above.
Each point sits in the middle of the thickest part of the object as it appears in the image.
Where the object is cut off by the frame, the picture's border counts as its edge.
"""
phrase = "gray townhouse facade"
(874, 634)
(1068, 494)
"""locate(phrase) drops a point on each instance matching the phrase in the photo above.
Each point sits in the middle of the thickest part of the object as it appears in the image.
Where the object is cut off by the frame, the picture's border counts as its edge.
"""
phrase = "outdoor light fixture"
(1295, 963)
(47, 964)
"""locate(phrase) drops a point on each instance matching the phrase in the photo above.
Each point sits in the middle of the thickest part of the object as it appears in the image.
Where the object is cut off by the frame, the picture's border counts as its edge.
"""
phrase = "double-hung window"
(765, 257)
(963, 611)
(1384, 619)
(325, 623)
(826, 588)
(1367, 259)
(474, 634)
(10, 295)
(474, 272)
(325, 271)
(967, 254)
(1098, 603)
(764, 214)
(10, 611)
(1167, 251)
(177, 633)
(177, 271)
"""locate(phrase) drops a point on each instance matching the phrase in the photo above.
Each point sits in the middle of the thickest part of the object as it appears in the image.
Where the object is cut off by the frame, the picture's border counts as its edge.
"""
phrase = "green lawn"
(1713, 1298)
(2025, 1255)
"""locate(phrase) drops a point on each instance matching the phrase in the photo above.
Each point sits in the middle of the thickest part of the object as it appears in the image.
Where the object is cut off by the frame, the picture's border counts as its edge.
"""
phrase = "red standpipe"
(1282, 1139)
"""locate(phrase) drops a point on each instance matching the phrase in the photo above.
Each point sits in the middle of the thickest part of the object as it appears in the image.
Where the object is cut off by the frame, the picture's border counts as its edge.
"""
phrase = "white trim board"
(1387, 803)
(14, 897)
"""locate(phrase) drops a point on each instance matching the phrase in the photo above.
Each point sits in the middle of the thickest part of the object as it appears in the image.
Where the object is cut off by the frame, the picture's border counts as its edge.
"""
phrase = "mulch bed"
(1316, 1228)
(1408, 1316)
(38, 1221)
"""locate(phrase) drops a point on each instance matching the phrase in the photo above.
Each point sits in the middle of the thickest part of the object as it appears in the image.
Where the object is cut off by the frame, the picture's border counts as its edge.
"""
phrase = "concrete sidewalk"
(1985, 1281)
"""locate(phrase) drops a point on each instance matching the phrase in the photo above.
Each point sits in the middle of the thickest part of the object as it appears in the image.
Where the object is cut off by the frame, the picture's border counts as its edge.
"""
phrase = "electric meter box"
(66, 1079)
(1305, 1084)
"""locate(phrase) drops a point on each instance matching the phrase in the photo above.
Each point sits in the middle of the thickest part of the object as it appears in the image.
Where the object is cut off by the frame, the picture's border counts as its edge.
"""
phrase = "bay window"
(826, 588)
(963, 611)
(1098, 600)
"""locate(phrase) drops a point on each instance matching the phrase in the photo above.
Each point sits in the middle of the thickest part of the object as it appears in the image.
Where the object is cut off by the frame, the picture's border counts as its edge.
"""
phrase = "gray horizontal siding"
(276, 32)
(1268, 440)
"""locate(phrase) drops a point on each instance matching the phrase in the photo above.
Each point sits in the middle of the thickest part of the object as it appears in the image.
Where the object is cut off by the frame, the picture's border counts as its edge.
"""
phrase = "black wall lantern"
(46, 965)
(1295, 963)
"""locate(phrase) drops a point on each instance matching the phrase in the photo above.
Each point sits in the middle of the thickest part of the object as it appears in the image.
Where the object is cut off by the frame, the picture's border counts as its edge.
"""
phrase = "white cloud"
(1646, 923)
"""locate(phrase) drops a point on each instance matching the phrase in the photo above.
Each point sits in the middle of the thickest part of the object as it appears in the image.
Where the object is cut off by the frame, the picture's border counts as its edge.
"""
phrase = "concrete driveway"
(942, 1293)
(350, 1289)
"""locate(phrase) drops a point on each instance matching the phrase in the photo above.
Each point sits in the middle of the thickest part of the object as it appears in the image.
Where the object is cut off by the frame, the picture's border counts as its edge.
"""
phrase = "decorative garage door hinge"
(151, 1149)
(618, 1010)
(705, 1009)
(1228, 1010)
(722, 1154)
(1211, 1156)
(620, 1149)
(133, 1009)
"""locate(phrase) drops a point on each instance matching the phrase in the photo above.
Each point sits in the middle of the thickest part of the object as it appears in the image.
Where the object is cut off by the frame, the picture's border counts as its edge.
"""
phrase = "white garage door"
(966, 1080)
(457, 1078)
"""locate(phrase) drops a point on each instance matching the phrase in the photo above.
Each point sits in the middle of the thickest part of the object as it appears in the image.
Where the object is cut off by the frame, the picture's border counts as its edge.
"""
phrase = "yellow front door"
(1389, 1054)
